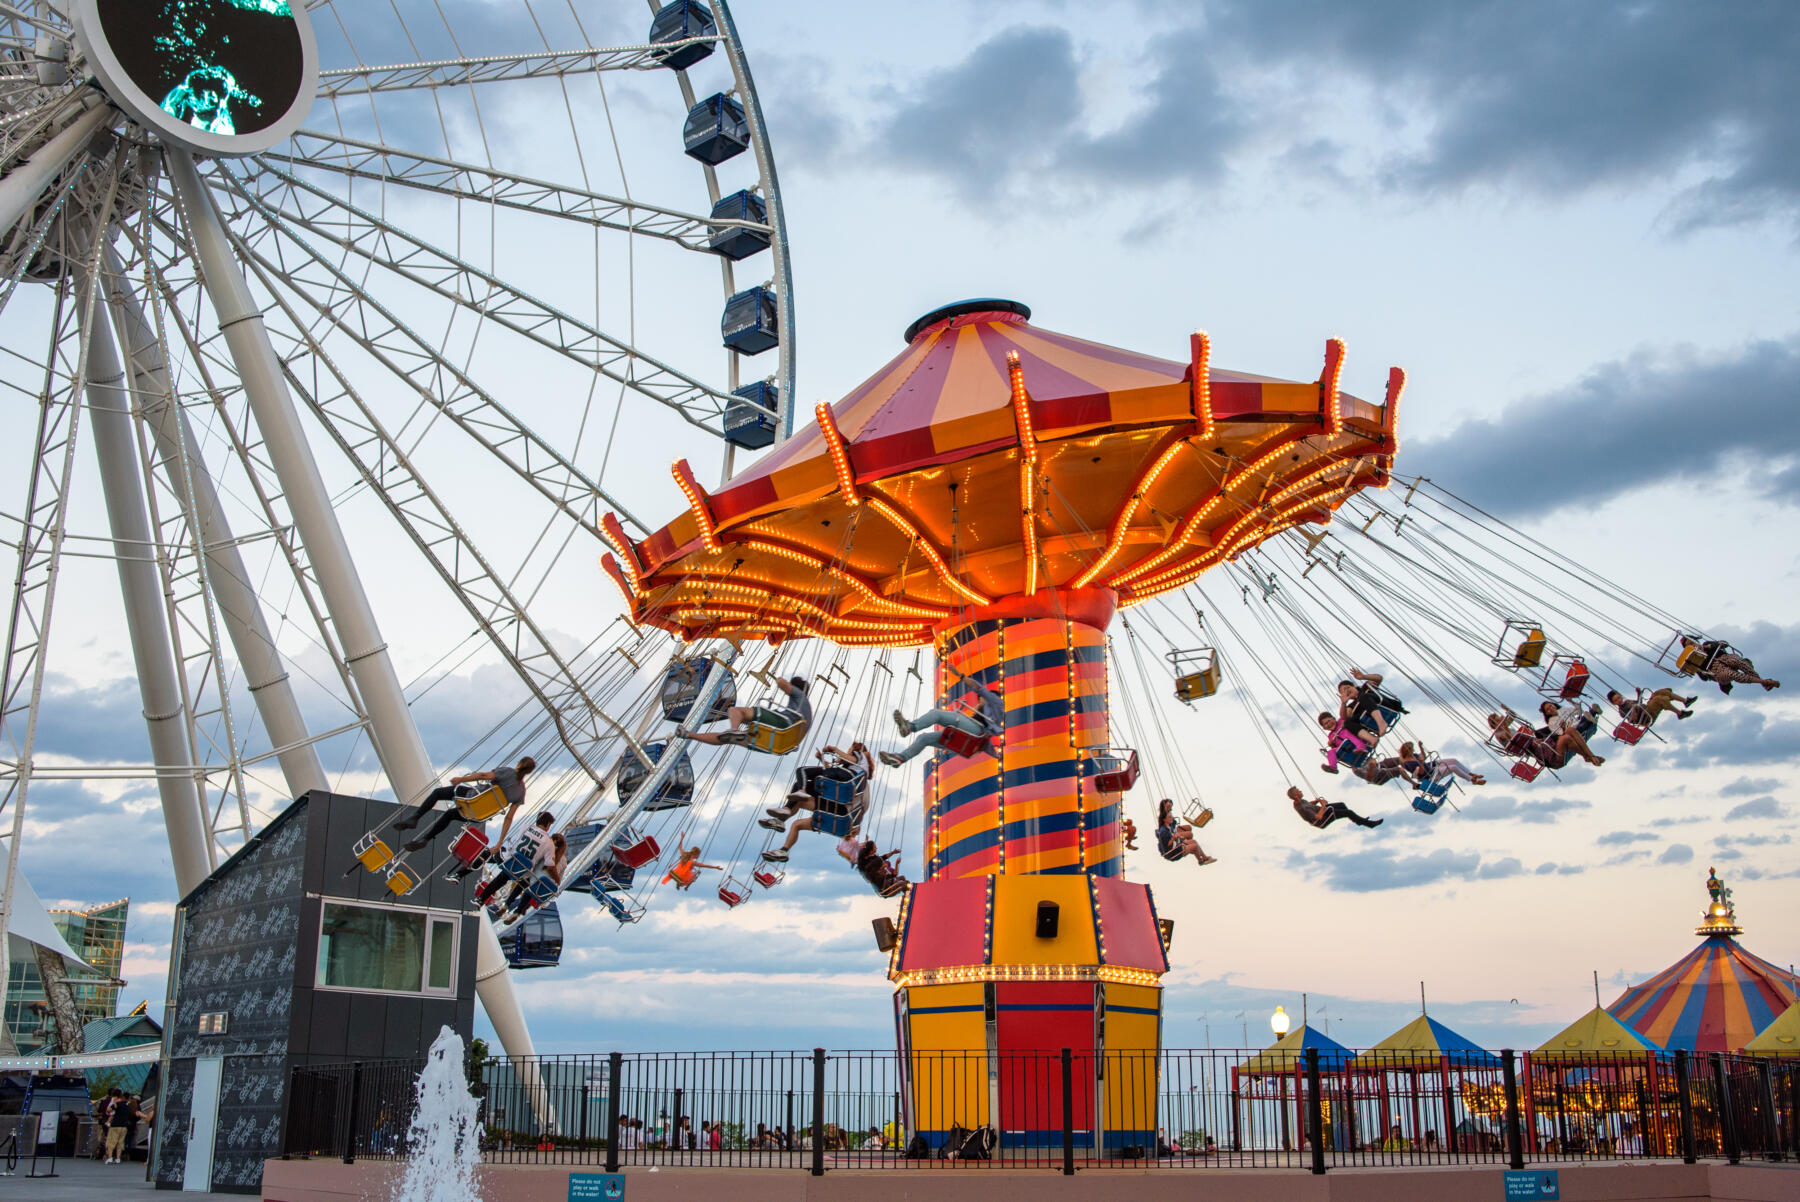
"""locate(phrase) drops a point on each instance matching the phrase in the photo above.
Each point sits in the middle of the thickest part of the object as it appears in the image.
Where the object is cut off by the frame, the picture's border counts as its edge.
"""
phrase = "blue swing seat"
(1432, 795)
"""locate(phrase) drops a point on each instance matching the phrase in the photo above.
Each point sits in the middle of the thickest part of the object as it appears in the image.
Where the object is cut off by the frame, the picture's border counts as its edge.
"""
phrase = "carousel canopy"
(1423, 1043)
(1289, 1052)
(1714, 999)
(1595, 1032)
(1779, 1038)
(993, 459)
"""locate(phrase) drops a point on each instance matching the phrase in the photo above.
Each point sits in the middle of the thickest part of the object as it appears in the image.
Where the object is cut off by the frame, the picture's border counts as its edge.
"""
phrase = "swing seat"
(1628, 733)
(480, 806)
(1352, 756)
(893, 886)
(1427, 805)
(1196, 685)
(768, 880)
(1530, 652)
(961, 742)
(634, 850)
(1525, 772)
(1691, 660)
(471, 847)
(777, 740)
(834, 818)
(1196, 673)
(400, 880)
(1436, 789)
(617, 907)
(1115, 771)
(838, 790)
(733, 894)
(373, 853)
(1519, 742)
(1197, 814)
(1575, 682)
(610, 874)
(517, 864)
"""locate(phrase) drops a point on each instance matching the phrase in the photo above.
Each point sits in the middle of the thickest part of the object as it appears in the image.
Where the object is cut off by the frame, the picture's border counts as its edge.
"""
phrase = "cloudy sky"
(1574, 225)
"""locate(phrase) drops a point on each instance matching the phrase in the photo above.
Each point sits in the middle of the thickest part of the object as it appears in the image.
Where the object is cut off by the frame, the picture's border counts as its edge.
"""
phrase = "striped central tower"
(1023, 940)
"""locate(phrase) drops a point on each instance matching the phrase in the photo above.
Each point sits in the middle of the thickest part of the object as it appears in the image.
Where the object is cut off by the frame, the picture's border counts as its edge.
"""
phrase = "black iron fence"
(1062, 1110)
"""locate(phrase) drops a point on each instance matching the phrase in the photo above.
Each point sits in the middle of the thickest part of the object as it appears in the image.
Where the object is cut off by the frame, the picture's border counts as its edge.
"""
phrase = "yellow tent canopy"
(1779, 1038)
(1290, 1050)
(1423, 1043)
(1594, 1032)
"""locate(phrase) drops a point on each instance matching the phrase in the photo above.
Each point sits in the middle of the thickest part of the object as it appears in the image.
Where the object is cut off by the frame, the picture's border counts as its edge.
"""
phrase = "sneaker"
(416, 844)
(796, 797)
(782, 812)
(1331, 768)
(890, 759)
(775, 855)
(1690, 700)
(1375, 822)
(771, 824)
(1680, 714)
(406, 824)
(903, 725)
(1204, 860)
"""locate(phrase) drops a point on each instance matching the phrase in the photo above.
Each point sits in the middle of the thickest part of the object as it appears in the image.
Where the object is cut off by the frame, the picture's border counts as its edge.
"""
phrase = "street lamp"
(1279, 1022)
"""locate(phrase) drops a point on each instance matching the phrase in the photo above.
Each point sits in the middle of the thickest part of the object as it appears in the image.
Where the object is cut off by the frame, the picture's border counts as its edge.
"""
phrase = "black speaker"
(885, 934)
(1046, 924)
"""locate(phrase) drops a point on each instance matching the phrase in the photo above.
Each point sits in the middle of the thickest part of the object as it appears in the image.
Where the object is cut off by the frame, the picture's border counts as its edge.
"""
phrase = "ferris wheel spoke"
(338, 303)
(385, 466)
(244, 448)
(467, 181)
(498, 68)
(383, 244)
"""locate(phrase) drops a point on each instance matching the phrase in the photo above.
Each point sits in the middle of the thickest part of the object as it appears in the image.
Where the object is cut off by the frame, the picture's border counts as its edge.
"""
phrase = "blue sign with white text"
(610, 1187)
(1528, 1184)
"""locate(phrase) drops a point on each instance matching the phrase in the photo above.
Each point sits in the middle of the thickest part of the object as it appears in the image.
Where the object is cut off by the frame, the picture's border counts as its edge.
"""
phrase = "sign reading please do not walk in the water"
(610, 1187)
(1540, 1185)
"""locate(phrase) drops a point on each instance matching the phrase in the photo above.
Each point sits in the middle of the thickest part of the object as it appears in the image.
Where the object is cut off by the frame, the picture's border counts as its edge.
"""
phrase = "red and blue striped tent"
(1714, 999)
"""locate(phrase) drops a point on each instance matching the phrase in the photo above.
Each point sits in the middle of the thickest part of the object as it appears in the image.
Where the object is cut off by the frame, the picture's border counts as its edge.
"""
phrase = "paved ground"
(85, 1181)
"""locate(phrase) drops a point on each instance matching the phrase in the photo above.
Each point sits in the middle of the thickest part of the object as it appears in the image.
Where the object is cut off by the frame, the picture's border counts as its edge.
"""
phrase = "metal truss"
(304, 206)
(41, 543)
(386, 467)
(339, 302)
(468, 181)
(495, 68)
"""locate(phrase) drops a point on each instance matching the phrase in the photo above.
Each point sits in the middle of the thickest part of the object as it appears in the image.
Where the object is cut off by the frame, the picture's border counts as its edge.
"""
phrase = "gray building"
(290, 955)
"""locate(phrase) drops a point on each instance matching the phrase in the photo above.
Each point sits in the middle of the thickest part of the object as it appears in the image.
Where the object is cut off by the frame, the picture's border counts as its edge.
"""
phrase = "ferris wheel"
(308, 277)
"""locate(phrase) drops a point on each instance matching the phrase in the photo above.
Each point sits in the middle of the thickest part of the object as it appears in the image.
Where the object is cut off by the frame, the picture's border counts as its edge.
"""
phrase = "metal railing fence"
(1064, 1109)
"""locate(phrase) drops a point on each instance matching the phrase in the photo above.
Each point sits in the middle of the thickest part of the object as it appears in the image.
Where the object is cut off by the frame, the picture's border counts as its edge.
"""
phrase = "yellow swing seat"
(777, 740)
(481, 806)
(373, 853)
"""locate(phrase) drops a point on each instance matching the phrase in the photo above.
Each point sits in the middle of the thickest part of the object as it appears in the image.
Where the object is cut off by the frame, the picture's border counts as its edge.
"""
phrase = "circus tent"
(1714, 999)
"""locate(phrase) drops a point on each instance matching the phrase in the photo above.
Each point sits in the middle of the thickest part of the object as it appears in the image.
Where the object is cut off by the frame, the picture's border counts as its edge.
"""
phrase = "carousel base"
(332, 1181)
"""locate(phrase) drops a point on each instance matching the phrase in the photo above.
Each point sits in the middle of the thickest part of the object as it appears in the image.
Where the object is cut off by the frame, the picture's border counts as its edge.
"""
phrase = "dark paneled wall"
(250, 947)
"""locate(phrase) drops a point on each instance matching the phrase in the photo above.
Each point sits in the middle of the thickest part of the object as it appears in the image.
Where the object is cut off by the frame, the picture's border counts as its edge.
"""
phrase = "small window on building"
(376, 948)
(441, 975)
(215, 1022)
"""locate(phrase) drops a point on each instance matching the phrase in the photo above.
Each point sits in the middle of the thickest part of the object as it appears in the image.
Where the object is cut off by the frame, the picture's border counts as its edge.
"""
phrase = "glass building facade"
(97, 934)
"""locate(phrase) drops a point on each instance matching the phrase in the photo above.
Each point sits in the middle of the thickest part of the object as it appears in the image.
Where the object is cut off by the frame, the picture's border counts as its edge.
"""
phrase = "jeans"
(931, 738)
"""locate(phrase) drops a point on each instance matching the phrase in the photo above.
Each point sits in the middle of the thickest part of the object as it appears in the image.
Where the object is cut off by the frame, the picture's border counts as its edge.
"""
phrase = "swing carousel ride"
(1076, 534)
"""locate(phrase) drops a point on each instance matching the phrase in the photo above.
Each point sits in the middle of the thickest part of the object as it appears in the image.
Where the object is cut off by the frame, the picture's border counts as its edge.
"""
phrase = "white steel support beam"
(22, 186)
(396, 739)
(239, 610)
(391, 727)
(146, 619)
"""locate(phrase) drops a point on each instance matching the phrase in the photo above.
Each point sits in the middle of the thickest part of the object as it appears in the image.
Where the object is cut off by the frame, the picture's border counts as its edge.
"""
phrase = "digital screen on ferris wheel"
(224, 67)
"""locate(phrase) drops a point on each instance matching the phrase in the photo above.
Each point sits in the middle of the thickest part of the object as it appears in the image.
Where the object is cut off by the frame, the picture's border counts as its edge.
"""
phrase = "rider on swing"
(989, 720)
(798, 712)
